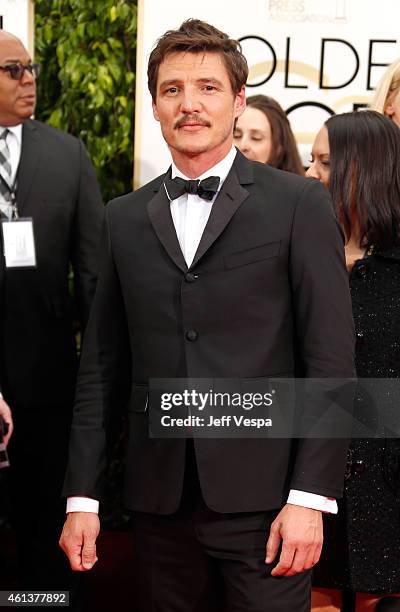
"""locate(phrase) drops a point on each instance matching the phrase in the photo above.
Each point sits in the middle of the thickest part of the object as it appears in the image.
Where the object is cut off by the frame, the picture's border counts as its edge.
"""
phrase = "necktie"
(5, 181)
(206, 189)
(5, 155)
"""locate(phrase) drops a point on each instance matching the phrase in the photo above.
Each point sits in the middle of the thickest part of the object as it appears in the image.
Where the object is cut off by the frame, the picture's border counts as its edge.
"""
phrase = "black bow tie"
(206, 189)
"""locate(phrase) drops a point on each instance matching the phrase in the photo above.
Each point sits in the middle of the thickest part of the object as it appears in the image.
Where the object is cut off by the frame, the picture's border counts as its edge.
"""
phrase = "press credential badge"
(19, 243)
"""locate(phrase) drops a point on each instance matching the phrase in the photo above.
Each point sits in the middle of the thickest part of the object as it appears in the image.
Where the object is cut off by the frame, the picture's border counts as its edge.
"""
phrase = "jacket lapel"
(30, 156)
(231, 196)
(160, 217)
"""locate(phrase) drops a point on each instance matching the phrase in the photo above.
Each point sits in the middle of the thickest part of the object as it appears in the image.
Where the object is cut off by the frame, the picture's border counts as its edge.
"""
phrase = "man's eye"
(209, 87)
(172, 90)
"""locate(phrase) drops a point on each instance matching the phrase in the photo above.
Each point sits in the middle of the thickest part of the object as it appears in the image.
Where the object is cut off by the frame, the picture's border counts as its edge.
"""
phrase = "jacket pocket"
(249, 256)
(139, 399)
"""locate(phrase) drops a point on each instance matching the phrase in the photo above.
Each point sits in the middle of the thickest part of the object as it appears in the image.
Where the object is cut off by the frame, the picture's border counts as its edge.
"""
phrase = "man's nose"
(27, 77)
(190, 102)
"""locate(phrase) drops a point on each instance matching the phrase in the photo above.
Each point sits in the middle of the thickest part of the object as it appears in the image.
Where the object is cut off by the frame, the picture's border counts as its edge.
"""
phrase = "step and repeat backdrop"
(316, 57)
(16, 16)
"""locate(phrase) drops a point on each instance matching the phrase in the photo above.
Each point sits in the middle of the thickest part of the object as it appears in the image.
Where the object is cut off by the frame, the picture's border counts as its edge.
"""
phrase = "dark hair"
(195, 36)
(365, 176)
(284, 153)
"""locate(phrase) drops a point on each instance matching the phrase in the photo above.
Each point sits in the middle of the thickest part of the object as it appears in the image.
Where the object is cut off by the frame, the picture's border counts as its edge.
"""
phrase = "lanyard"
(13, 197)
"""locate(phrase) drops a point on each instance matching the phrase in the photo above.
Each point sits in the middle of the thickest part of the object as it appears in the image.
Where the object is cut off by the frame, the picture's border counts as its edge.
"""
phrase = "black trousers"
(38, 454)
(198, 560)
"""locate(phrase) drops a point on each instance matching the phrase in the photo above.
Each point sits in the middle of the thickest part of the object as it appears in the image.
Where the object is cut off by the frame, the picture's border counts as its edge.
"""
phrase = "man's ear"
(240, 102)
(155, 113)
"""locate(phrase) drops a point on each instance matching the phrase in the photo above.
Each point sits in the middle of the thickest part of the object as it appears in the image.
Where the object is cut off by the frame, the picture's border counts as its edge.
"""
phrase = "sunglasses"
(17, 70)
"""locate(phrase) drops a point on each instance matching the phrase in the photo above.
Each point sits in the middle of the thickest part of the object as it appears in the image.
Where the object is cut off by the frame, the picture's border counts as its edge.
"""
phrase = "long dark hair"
(365, 176)
(284, 153)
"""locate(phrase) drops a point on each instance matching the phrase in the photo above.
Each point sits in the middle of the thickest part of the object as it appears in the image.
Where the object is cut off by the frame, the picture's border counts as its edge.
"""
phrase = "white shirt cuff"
(82, 504)
(312, 500)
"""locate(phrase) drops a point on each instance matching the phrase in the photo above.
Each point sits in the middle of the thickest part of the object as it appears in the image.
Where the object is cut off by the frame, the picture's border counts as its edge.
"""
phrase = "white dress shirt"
(14, 144)
(190, 214)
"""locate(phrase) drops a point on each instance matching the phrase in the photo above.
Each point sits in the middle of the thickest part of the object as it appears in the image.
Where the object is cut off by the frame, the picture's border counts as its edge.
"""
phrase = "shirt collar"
(221, 169)
(16, 130)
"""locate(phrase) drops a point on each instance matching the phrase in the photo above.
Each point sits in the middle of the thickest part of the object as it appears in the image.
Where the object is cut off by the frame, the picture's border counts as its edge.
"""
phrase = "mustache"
(193, 119)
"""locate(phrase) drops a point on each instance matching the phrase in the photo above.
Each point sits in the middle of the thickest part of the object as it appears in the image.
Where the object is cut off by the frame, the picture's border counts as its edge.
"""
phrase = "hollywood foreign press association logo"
(308, 11)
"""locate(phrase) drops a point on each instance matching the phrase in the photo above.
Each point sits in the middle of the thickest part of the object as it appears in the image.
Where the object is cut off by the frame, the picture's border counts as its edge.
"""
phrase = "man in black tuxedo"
(45, 176)
(240, 277)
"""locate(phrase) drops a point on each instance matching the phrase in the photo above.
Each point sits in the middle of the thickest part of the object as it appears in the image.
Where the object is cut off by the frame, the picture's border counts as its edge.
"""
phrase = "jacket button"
(191, 335)
(190, 277)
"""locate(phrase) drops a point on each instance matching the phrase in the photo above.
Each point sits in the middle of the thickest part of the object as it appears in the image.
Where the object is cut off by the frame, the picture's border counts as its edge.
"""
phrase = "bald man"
(51, 212)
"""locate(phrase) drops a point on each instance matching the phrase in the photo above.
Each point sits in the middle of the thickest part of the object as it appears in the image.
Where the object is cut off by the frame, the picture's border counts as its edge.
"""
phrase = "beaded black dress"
(362, 543)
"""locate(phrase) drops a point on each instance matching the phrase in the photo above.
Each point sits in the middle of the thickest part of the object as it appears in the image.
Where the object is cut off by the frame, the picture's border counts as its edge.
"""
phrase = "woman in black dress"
(357, 155)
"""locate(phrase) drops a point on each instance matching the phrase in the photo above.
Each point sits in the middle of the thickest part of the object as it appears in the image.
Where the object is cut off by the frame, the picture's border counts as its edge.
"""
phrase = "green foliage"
(87, 50)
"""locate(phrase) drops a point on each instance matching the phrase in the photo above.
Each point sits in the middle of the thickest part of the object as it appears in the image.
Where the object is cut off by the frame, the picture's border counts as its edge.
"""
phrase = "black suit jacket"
(57, 187)
(269, 282)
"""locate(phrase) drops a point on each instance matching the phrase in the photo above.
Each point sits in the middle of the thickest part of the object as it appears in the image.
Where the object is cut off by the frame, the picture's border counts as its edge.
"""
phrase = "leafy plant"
(87, 50)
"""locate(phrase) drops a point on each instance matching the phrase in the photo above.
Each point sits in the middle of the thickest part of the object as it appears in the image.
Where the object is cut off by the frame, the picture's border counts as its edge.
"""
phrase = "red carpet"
(109, 586)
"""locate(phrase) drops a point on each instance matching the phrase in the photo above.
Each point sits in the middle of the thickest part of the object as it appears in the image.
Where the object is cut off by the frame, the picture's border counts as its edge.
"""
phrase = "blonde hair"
(389, 83)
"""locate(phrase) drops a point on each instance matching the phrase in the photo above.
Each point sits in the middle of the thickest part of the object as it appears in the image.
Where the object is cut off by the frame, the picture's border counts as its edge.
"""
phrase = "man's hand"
(78, 539)
(301, 532)
(5, 412)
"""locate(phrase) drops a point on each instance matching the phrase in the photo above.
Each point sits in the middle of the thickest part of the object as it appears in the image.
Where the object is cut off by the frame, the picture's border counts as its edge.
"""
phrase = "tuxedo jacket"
(58, 189)
(268, 285)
